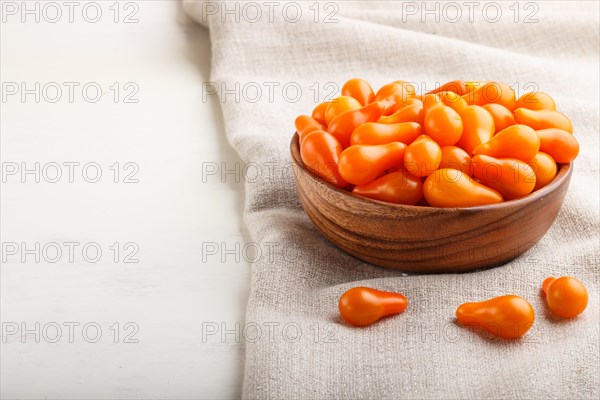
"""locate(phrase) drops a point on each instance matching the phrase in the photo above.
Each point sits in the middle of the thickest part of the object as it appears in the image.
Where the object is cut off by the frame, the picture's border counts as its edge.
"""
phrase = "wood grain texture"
(428, 239)
(176, 289)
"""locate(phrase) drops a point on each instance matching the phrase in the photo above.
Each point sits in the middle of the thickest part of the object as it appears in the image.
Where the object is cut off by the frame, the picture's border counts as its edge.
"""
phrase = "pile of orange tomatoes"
(463, 144)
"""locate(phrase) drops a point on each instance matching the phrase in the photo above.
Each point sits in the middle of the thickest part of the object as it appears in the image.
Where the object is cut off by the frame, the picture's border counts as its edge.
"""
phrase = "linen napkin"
(271, 63)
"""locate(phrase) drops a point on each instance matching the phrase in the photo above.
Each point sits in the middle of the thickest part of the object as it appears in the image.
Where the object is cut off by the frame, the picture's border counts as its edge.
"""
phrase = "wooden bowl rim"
(563, 174)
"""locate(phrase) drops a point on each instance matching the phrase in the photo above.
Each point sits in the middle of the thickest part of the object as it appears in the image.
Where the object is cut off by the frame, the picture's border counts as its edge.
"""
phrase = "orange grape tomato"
(413, 112)
(452, 188)
(378, 133)
(508, 317)
(320, 153)
(305, 125)
(423, 156)
(543, 119)
(360, 164)
(545, 169)
(360, 90)
(492, 92)
(478, 127)
(560, 145)
(344, 124)
(503, 117)
(319, 112)
(339, 105)
(396, 187)
(362, 306)
(536, 101)
(510, 177)
(457, 158)
(567, 297)
(516, 141)
(443, 125)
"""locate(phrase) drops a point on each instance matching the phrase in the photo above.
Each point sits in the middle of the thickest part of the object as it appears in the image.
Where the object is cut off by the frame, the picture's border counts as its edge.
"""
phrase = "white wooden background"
(170, 215)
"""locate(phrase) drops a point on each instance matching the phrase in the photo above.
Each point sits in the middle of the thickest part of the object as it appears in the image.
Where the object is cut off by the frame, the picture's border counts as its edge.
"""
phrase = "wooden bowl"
(428, 239)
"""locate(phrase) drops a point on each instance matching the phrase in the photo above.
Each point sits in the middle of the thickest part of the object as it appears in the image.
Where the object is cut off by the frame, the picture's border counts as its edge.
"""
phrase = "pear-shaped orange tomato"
(344, 124)
(509, 317)
(559, 144)
(452, 188)
(536, 101)
(478, 127)
(492, 92)
(360, 164)
(516, 141)
(319, 113)
(394, 95)
(422, 156)
(340, 105)
(458, 87)
(320, 153)
(503, 117)
(452, 100)
(457, 158)
(362, 306)
(396, 187)
(567, 297)
(431, 100)
(510, 177)
(360, 90)
(378, 133)
(543, 119)
(545, 169)
(413, 112)
(443, 125)
(471, 86)
(305, 125)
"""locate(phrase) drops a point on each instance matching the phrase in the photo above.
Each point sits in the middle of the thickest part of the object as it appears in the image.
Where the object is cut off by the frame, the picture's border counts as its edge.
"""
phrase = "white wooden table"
(161, 200)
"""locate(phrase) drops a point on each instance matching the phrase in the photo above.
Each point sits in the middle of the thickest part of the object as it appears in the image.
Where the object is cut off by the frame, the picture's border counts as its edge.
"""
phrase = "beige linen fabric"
(299, 349)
